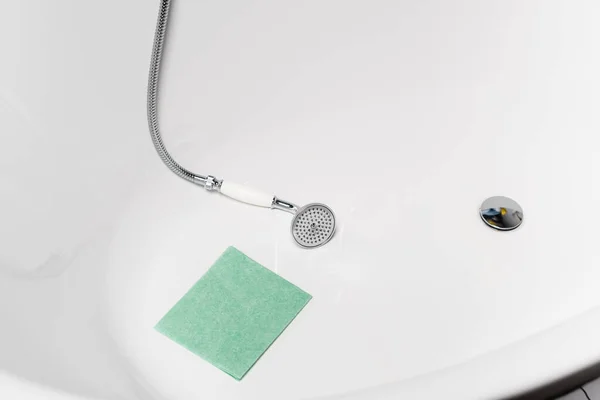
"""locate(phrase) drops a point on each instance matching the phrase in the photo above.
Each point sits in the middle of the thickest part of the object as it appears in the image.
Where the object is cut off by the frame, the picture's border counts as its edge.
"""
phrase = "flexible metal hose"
(152, 104)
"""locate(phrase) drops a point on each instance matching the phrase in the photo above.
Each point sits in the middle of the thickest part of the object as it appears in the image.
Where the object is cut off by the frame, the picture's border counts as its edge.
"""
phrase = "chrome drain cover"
(501, 213)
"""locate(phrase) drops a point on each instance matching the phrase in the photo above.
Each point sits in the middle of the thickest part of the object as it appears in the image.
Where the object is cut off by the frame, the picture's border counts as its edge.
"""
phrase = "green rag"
(234, 313)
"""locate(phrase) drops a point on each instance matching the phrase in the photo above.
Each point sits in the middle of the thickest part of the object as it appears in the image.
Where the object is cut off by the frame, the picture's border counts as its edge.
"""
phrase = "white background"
(402, 116)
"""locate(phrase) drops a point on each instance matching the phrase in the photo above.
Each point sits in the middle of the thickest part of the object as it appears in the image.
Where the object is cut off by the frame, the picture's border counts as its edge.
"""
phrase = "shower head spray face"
(313, 225)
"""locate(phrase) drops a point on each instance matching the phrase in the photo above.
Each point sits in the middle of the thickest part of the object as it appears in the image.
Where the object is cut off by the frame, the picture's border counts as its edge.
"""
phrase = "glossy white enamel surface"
(402, 116)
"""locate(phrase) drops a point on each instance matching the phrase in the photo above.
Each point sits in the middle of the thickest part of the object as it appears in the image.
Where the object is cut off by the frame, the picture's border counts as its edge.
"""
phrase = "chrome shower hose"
(208, 182)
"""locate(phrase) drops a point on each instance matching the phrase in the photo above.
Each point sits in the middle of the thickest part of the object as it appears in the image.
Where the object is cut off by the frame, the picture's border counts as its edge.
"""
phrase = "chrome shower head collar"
(313, 225)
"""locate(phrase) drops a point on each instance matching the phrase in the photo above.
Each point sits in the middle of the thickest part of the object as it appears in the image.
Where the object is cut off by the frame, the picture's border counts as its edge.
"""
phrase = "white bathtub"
(403, 116)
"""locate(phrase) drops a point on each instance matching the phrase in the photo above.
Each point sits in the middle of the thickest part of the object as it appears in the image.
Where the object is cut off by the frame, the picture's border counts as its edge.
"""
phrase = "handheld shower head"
(312, 226)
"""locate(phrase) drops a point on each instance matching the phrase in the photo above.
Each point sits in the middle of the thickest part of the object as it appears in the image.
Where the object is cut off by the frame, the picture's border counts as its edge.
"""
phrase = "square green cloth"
(234, 313)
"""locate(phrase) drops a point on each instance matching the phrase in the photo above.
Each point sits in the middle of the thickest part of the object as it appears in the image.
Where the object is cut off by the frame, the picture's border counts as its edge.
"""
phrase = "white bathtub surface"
(403, 117)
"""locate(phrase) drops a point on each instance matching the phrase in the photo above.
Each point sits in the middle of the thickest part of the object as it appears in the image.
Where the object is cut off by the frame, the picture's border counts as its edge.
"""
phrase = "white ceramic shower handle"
(246, 194)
